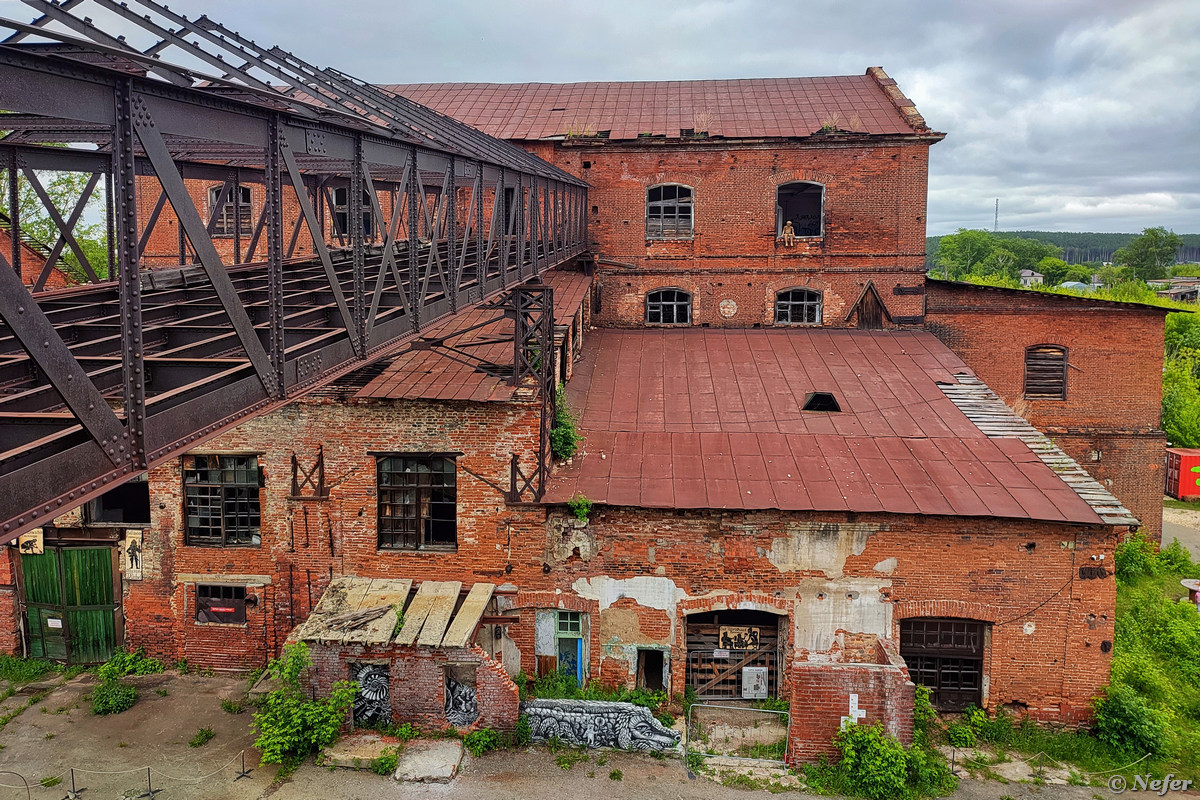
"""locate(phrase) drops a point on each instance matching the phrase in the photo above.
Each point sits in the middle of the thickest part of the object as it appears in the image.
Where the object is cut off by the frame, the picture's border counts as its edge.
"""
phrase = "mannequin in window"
(789, 234)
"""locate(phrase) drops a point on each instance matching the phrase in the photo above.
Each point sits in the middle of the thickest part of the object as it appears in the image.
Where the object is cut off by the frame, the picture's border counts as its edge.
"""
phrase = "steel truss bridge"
(100, 381)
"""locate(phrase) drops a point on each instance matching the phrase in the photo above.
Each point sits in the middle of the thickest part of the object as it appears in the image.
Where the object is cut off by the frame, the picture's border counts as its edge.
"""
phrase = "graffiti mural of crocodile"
(598, 723)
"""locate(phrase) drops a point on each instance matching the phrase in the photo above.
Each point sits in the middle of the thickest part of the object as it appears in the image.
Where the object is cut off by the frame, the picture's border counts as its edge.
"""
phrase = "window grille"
(418, 503)
(669, 307)
(221, 500)
(798, 307)
(669, 212)
(220, 603)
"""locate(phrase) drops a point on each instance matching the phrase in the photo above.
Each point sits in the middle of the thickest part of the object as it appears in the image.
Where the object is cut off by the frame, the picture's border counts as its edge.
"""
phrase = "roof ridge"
(997, 420)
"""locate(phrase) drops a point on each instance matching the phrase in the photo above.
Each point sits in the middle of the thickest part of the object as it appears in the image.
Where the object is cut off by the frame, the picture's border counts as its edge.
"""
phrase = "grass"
(202, 737)
(1183, 505)
(231, 706)
(20, 671)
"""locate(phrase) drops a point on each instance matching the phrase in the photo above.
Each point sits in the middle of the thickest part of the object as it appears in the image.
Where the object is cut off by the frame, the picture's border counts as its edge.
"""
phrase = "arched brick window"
(668, 307)
(233, 213)
(798, 307)
(803, 204)
(669, 212)
(1046, 372)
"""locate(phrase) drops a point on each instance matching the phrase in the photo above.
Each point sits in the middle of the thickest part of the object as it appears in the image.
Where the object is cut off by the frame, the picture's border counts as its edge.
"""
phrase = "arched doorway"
(733, 654)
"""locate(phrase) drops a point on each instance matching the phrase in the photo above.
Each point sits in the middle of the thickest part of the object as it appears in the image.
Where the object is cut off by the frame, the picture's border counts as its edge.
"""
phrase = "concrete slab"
(356, 750)
(429, 761)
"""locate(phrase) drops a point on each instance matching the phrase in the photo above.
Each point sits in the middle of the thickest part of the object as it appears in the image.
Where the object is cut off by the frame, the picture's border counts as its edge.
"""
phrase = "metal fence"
(737, 732)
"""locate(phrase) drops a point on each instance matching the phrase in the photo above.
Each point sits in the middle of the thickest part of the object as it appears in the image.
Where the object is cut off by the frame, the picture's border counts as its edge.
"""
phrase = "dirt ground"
(111, 754)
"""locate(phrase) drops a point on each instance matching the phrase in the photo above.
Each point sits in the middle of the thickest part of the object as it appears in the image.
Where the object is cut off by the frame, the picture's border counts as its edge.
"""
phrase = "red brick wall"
(1114, 386)
(874, 224)
(295, 560)
(822, 696)
(32, 263)
(10, 638)
(418, 682)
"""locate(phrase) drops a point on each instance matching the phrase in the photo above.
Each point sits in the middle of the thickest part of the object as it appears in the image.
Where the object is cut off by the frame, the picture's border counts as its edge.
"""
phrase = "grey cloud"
(1076, 114)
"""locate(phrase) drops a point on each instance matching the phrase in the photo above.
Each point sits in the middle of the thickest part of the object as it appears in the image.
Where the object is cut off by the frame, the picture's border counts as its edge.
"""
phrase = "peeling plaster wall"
(824, 607)
(819, 546)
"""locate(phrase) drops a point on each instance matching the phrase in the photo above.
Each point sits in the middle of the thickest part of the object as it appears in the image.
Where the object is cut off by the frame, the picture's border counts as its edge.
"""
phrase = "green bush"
(875, 763)
(291, 725)
(960, 735)
(580, 506)
(924, 715)
(481, 741)
(125, 663)
(523, 735)
(113, 697)
(202, 737)
(387, 762)
(564, 436)
(1126, 721)
(1134, 558)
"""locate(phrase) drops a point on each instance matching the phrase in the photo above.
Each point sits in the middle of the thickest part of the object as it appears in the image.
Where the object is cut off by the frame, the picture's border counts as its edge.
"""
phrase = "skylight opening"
(820, 401)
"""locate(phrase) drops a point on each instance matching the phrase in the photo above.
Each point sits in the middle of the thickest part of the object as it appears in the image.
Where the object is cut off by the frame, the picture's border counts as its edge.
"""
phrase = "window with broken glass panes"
(669, 212)
(669, 307)
(233, 214)
(418, 503)
(221, 500)
(798, 307)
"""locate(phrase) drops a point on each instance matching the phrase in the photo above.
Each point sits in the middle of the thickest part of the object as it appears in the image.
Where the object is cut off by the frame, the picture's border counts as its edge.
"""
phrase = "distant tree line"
(1081, 248)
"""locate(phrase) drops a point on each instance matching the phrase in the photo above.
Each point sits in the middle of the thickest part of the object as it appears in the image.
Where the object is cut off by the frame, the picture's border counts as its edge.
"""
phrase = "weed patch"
(202, 737)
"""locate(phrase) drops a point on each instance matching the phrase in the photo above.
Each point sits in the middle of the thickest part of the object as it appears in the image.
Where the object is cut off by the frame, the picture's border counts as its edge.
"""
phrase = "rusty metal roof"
(763, 107)
(706, 418)
(470, 356)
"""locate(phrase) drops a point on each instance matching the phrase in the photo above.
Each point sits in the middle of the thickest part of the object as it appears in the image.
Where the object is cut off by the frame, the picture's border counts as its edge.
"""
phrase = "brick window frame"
(223, 226)
(795, 201)
(222, 505)
(220, 604)
(1046, 372)
(669, 306)
(798, 306)
(341, 212)
(417, 501)
(670, 212)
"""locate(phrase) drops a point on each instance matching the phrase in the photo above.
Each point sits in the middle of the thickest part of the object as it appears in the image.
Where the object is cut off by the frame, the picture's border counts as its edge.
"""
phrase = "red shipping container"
(1183, 473)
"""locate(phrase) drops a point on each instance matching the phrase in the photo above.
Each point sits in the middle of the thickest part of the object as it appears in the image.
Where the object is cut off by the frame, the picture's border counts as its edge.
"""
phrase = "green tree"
(1111, 276)
(1026, 253)
(959, 252)
(1150, 255)
(64, 190)
(1055, 269)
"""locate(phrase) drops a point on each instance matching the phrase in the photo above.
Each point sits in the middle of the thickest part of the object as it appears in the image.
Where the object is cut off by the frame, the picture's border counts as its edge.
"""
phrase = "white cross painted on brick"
(856, 713)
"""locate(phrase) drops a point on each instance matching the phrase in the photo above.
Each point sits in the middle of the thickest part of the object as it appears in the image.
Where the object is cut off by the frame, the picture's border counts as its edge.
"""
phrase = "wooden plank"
(440, 612)
(415, 614)
(392, 592)
(463, 626)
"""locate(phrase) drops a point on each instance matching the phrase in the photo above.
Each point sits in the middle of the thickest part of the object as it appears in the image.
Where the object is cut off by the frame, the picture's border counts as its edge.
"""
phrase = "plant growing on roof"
(564, 435)
(580, 506)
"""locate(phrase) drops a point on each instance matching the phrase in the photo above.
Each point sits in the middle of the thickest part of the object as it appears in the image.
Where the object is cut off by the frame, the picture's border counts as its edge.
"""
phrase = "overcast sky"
(1076, 114)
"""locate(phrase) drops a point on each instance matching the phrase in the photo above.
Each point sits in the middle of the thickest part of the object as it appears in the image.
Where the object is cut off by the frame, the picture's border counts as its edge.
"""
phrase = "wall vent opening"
(820, 401)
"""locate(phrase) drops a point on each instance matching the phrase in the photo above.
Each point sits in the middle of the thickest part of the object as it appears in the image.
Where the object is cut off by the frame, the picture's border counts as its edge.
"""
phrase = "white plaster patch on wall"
(652, 592)
(850, 604)
(1029, 628)
(819, 546)
(543, 633)
(888, 565)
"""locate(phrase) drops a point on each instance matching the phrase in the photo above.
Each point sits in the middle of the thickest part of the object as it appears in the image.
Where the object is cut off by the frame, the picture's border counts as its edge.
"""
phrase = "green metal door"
(69, 597)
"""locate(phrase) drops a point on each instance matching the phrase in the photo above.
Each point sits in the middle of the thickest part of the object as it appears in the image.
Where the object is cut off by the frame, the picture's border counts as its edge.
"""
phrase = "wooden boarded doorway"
(722, 644)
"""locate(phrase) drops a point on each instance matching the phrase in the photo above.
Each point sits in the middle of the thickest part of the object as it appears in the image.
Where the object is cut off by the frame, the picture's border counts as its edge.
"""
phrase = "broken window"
(947, 656)
(418, 503)
(341, 212)
(669, 212)
(216, 603)
(650, 670)
(798, 307)
(221, 500)
(669, 307)
(127, 504)
(1046, 372)
(803, 205)
(234, 212)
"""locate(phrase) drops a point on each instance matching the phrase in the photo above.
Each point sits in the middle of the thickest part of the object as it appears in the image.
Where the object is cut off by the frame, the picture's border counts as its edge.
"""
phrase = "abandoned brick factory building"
(813, 472)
